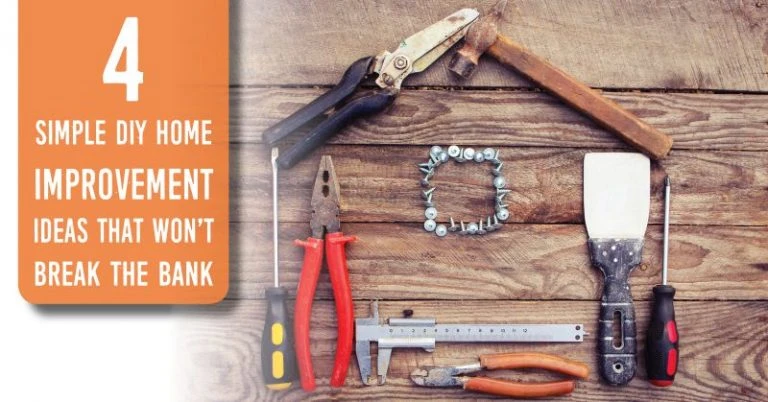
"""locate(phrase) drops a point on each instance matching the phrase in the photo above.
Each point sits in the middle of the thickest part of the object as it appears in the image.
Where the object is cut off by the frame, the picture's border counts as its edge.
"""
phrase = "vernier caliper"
(424, 333)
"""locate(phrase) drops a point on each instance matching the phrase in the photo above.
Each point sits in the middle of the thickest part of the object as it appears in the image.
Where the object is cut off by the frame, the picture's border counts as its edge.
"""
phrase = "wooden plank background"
(698, 70)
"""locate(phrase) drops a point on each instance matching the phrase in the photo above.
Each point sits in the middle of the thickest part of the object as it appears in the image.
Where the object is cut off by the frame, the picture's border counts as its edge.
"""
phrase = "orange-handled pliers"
(326, 235)
(455, 376)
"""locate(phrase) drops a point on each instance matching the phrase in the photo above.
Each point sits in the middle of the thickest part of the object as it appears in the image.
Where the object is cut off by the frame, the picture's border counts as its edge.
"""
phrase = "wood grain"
(396, 261)
(380, 184)
(608, 114)
(519, 118)
(220, 351)
(680, 44)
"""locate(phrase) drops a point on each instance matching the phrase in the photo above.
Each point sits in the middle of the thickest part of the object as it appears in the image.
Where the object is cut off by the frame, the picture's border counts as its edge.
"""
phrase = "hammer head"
(481, 35)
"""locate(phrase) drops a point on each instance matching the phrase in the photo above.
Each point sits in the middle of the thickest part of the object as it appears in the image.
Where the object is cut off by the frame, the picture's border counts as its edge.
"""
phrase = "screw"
(426, 193)
(430, 225)
(480, 229)
(428, 202)
(479, 157)
(401, 62)
(434, 159)
(499, 207)
(472, 228)
(502, 191)
(469, 153)
(441, 230)
(430, 213)
(454, 151)
(495, 158)
(436, 149)
(453, 226)
(426, 171)
(443, 156)
(499, 182)
(489, 226)
(496, 224)
(463, 230)
(488, 153)
(427, 165)
(503, 214)
(497, 170)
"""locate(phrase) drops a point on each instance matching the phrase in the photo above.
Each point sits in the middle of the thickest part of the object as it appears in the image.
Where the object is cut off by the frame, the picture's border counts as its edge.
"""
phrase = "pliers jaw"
(325, 200)
(443, 376)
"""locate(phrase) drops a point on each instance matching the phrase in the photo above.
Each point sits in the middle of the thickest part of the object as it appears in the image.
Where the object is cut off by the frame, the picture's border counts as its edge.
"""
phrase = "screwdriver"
(278, 358)
(661, 341)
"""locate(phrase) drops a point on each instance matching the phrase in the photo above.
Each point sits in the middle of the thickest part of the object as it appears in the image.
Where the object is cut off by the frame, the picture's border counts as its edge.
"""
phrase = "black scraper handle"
(616, 258)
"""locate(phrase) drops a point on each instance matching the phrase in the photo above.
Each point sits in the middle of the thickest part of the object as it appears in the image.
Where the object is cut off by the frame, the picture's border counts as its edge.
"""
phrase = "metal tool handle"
(363, 106)
(277, 356)
(616, 258)
(517, 389)
(351, 79)
(305, 295)
(345, 309)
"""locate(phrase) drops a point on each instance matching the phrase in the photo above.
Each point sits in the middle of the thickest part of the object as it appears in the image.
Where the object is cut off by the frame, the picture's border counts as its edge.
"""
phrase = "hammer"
(484, 36)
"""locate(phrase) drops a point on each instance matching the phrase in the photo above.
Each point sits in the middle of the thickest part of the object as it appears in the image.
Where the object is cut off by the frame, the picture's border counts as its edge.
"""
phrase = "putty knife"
(616, 205)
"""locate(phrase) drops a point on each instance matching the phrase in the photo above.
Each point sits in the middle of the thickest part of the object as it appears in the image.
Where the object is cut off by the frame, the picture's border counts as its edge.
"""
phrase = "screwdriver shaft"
(275, 154)
(665, 256)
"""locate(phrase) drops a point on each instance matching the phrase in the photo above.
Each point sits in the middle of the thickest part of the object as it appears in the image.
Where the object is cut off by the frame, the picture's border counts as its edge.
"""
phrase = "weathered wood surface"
(519, 118)
(536, 269)
(528, 262)
(723, 351)
(677, 44)
(381, 184)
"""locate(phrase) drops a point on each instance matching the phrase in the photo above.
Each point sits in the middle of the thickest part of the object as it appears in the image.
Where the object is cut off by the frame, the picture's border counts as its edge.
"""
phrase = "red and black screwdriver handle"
(365, 105)
(310, 272)
(661, 349)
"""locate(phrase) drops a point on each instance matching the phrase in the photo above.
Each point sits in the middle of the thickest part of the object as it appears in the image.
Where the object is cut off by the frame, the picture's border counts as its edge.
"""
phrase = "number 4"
(128, 42)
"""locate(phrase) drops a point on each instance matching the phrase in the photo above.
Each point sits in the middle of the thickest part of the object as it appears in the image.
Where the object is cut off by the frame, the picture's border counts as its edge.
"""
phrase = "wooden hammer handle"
(583, 98)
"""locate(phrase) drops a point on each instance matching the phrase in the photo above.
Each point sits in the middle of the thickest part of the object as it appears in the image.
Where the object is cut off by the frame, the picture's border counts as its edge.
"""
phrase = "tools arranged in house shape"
(456, 376)
(326, 235)
(424, 333)
(616, 207)
(413, 55)
(438, 156)
(661, 341)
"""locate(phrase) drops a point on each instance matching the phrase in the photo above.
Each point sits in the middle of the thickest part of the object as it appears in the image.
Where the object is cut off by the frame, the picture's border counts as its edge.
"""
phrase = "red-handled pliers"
(325, 224)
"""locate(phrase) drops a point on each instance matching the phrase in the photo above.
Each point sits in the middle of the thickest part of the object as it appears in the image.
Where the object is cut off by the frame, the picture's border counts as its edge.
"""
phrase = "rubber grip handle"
(351, 79)
(278, 362)
(363, 106)
(662, 349)
(605, 112)
(345, 309)
(616, 258)
(508, 361)
(305, 295)
(519, 390)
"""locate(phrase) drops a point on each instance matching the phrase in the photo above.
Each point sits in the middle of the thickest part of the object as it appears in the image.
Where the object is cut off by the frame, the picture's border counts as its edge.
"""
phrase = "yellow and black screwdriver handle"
(278, 358)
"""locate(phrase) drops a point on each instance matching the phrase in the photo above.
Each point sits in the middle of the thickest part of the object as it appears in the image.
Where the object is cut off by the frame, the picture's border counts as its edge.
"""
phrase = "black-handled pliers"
(413, 55)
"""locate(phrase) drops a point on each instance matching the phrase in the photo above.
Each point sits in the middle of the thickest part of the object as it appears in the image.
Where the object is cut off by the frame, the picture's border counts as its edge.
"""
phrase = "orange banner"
(123, 151)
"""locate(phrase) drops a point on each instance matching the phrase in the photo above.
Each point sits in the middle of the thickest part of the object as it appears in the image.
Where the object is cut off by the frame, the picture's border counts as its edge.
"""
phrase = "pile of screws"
(438, 156)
